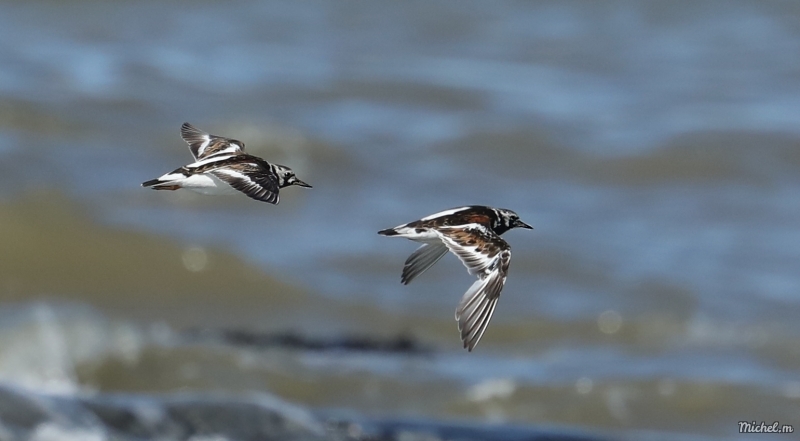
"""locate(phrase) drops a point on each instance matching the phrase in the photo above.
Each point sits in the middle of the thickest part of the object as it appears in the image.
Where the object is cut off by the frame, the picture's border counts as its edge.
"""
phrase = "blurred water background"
(654, 146)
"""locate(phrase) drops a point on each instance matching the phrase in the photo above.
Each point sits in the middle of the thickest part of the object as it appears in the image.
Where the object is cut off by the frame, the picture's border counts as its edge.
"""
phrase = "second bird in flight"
(221, 165)
(473, 234)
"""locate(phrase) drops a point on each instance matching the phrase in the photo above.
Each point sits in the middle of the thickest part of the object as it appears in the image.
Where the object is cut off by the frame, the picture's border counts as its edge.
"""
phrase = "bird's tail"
(165, 182)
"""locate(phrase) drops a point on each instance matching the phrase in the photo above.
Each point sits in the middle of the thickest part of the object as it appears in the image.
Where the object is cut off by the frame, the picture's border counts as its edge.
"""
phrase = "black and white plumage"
(472, 233)
(221, 166)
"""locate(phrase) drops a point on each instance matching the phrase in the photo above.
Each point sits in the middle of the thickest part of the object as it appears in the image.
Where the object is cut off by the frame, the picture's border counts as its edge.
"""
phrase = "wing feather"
(420, 260)
(202, 144)
(251, 180)
(486, 255)
(475, 245)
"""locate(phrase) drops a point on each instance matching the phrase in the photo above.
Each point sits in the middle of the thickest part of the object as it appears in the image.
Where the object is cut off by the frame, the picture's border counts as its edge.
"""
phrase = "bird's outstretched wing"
(251, 179)
(202, 144)
(420, 260)
(486, 255)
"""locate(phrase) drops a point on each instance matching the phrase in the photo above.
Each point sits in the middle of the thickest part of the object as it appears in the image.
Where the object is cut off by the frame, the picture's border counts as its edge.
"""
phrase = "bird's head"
(286, 177)
(509, 219)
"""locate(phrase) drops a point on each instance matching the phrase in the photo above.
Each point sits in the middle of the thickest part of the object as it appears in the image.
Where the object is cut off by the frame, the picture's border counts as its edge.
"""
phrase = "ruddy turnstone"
(222, 166)
(473, 234)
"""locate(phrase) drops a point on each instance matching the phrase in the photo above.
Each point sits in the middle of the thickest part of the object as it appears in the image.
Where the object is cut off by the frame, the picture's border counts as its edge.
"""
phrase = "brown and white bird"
(221, 166)
(472, 233)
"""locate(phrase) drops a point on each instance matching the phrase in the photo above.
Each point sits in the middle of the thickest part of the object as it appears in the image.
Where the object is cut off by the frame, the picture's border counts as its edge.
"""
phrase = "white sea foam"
(42, 344)
(55, 432)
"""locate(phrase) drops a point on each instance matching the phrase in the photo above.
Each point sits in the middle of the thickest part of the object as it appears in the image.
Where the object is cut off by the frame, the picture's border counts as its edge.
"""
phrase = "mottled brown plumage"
(473, 235)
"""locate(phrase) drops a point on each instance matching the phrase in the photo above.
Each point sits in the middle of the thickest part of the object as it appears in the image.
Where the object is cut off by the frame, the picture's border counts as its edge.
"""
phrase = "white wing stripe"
(209, 160)
(235, 174)
(232, 148)
(444, 213)
(202, 148)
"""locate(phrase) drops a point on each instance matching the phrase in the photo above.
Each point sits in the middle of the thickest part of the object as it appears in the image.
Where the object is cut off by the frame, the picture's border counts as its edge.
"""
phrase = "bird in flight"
(472, 233)
(222, 166)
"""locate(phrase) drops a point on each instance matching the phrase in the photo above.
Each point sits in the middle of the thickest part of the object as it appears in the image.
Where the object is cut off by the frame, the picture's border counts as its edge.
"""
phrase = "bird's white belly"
(426, 235)
(207, 184)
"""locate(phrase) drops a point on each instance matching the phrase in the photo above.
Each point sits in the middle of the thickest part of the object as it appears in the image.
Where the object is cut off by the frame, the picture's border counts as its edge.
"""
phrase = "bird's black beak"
(519, 224)
(300, 183)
